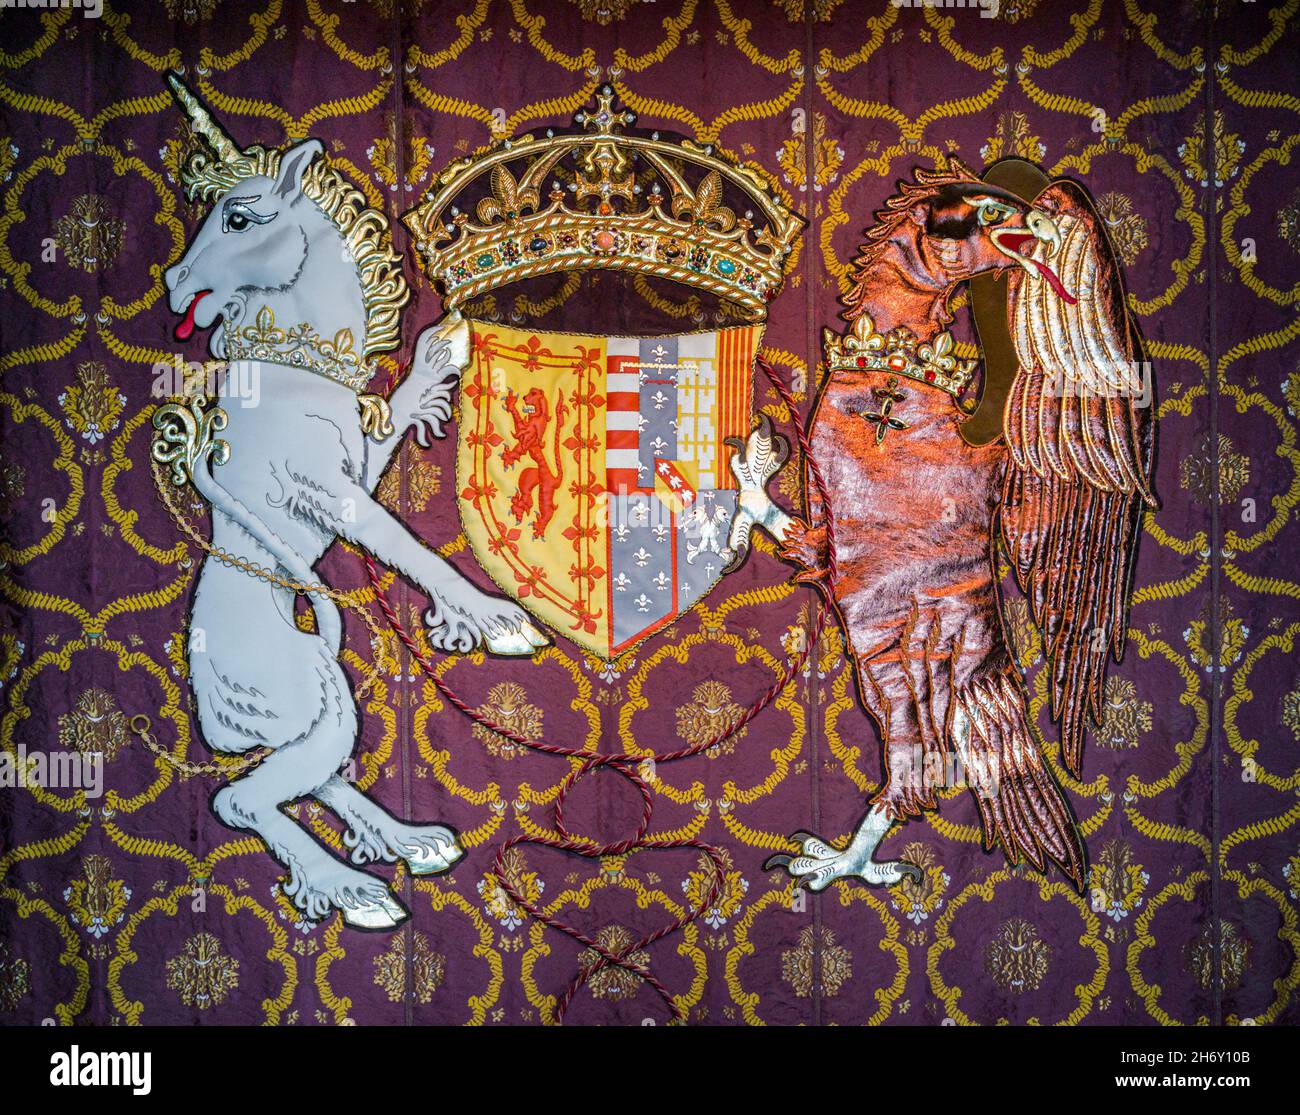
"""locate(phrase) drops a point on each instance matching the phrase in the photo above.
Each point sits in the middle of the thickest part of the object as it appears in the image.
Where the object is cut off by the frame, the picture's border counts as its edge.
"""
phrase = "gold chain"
(140, 725)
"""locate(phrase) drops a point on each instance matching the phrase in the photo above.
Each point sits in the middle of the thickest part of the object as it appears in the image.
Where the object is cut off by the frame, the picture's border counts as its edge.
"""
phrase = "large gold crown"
(632, 203)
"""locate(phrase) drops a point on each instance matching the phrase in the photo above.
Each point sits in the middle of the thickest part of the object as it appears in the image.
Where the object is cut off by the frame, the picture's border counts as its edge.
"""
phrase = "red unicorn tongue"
(186, 328)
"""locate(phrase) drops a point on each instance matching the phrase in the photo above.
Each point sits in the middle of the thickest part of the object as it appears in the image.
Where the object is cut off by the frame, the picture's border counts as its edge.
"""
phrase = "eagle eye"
(994, 212)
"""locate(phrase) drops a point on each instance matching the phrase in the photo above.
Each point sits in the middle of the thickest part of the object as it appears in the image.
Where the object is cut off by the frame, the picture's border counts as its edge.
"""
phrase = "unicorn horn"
(223, 147)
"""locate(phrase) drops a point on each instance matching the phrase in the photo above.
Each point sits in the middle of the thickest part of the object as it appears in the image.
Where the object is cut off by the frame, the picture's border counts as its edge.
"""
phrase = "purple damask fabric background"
(140, 907)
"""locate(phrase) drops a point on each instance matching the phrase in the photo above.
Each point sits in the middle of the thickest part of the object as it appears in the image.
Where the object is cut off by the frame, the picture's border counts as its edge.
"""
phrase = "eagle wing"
(1079, 427)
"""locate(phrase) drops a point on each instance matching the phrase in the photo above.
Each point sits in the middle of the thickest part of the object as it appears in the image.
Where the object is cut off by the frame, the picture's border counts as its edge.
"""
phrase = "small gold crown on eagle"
(614, 201)
(898, 352)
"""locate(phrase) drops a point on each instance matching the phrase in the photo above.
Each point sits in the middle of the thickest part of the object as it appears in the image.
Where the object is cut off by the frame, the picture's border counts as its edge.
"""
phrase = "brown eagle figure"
(919, 508)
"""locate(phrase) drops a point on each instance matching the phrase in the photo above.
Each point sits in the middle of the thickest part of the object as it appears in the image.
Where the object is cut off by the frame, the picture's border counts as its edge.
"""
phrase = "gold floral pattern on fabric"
(93, 404)
(614, 981)
(1124, 718)
(1288, 222)
(730, 900)
(797, 963)
(1118, 881)
(605, 12)
(13, 478)
(417, 153)
(706, 714)
(1017, 958)
(1233, 633)
(15, 979)
(204, 974)
(1013, 138)
(1234, 957)
(1291, 873)
(423, 480)
(1228, 151)
(95, 726)
(191, 12)
(428, 969)
(1126, 227)
(1016, 11)
(827, 155)
(89, 235)
(797, 10)
(507, 705)
(917, 901)
(1196, 471)
(97, 900)
(497, 904)
(1291, 712)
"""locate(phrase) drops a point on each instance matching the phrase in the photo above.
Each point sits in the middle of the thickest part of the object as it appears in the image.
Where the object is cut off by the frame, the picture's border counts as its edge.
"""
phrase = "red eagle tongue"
(185, 329)
(1053, 280)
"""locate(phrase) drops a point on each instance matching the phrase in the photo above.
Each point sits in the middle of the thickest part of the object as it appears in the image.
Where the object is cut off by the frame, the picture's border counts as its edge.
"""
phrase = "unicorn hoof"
(436, 851)
(385, 913)
(524, 641)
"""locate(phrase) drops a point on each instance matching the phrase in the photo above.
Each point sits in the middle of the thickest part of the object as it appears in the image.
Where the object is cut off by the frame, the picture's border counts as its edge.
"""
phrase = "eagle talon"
(756, 460)
(819, 863)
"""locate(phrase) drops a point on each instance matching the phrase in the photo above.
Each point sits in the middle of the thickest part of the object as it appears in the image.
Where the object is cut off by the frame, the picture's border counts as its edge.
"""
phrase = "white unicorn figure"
(301, 282)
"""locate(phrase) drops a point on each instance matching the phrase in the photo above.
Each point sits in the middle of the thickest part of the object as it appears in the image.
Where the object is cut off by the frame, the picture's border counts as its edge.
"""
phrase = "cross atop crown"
(608, 168)
(603, 120)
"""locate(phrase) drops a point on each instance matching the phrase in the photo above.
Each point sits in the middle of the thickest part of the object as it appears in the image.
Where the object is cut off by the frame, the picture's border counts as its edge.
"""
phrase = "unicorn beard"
(232, 314)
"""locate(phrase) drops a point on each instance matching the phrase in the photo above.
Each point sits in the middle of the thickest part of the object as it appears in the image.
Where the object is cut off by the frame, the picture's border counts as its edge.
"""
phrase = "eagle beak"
(1044, 229)
(1040, 227)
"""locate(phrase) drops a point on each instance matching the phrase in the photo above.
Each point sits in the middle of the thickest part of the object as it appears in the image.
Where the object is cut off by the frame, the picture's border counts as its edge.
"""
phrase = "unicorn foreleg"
(422, 402)
(461, 617)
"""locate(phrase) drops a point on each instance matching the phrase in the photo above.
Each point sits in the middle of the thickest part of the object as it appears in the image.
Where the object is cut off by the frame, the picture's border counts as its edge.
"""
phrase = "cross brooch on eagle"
(883, 420)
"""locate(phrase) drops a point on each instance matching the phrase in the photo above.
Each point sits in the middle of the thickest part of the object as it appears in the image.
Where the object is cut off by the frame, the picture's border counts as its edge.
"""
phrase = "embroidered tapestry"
(734, 512)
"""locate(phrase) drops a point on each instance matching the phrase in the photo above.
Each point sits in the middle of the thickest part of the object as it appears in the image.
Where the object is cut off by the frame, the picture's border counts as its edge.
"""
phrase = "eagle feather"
(1080, 435)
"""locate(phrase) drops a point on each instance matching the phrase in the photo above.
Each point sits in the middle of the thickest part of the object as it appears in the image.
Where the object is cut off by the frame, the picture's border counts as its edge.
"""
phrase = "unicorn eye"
(236, 215)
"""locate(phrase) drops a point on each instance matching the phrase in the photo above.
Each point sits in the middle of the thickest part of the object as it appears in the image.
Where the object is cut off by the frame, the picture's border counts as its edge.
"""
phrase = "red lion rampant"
(530, 433)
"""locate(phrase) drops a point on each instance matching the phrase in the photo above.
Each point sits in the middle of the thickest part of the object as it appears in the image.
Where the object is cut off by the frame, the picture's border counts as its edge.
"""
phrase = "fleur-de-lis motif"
(507, 201)
(706, 207)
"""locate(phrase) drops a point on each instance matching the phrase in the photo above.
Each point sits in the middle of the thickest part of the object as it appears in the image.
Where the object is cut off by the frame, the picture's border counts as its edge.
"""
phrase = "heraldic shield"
(595, 474)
